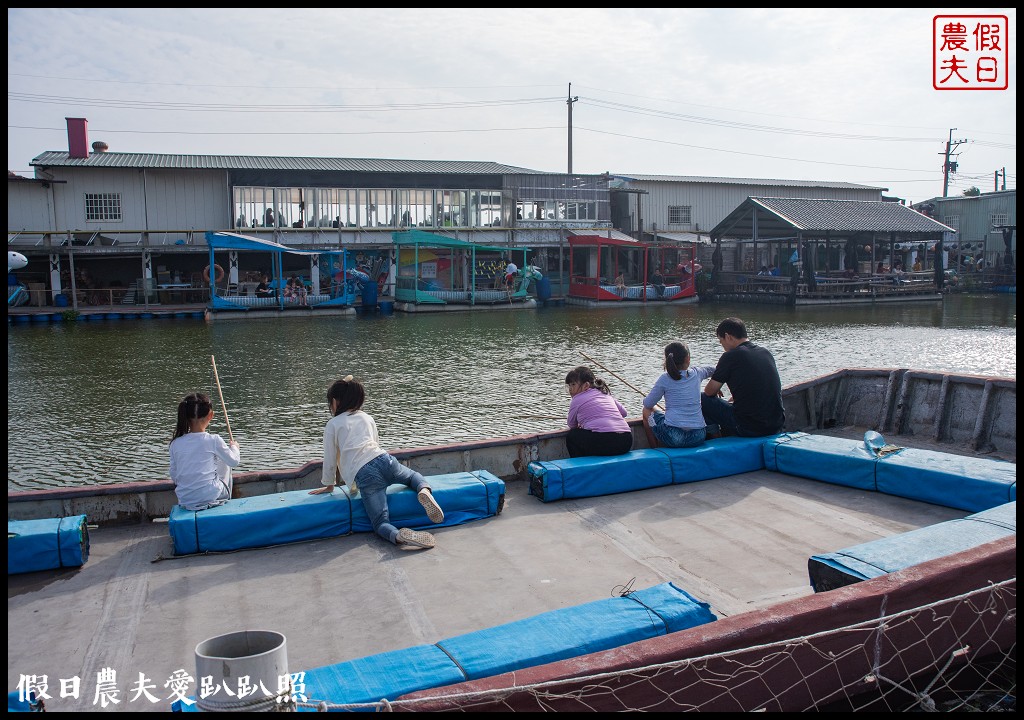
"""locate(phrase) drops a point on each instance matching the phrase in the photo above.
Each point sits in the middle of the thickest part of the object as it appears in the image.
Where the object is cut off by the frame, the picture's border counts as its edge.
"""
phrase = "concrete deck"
(738, 543)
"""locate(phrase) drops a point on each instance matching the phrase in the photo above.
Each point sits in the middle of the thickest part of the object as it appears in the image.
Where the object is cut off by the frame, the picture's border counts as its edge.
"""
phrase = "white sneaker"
(434, 511)
(416, 538)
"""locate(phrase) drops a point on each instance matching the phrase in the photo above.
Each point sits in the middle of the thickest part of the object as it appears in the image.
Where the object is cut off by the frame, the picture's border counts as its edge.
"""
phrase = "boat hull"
(859, 647)
(968, 414)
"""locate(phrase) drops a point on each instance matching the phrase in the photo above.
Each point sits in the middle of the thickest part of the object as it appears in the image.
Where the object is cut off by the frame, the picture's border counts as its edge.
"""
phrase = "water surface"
(96, 402)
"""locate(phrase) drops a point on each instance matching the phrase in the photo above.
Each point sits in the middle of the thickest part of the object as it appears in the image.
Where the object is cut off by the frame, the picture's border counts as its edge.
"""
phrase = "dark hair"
(349, 394)
(193, 407)
(677, 355)
(732, 326)
(583, 374)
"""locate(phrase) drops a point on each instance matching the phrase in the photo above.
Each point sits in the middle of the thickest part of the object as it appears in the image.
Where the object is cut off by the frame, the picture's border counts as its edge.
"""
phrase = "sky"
(838, 95)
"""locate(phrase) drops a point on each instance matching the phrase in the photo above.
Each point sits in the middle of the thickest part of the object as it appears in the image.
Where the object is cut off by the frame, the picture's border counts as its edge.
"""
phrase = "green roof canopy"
(419, 237)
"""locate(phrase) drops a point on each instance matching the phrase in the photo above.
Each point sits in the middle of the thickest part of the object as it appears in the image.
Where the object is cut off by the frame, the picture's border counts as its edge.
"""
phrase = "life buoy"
(218, 273)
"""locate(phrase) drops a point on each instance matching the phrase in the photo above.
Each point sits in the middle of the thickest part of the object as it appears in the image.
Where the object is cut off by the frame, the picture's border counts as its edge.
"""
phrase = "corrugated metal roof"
(850, 215)
(686, 237)
(706, 179)
(778, 216)
(54, 158)
(606, 232)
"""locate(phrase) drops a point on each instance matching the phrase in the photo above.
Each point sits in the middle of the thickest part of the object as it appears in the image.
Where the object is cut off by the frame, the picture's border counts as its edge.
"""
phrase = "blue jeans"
(718, 411)
(373, 480)
(672, 436)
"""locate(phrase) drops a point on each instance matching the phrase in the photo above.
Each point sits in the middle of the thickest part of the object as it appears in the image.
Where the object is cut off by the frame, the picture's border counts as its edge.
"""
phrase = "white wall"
(28, 207)
(177, 200)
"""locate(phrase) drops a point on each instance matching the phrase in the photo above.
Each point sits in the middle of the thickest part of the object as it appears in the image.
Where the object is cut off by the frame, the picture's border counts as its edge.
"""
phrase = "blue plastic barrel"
(369, 294)
(543, 289)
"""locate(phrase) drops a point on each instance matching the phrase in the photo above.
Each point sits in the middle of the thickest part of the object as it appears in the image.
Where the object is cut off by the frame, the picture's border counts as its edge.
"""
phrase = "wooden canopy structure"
(809, 235)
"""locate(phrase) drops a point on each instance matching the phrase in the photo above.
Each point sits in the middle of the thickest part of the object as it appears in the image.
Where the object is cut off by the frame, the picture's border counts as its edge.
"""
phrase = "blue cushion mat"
(878, 557)
(294, 516)
(46, 544)
(957, 481)
(555, 635)
(552, 480)
(839, 461)
(580, 477)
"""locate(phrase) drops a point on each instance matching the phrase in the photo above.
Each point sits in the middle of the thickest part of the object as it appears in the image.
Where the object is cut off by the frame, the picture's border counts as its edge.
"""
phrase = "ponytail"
(193, 407)
(677, 358)
(583, 374)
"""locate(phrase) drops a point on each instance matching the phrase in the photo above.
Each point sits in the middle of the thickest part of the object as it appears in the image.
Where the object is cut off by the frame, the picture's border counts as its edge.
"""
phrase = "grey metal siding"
(70, 198)
(28, 207)
(710, 203)
(187, 199)
(976, 217)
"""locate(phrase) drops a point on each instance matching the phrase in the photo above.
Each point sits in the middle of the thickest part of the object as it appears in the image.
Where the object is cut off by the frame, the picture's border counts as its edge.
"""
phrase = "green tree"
(972, 191)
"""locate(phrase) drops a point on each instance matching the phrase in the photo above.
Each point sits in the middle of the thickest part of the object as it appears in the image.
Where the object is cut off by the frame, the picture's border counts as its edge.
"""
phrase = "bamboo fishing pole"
(220, 392)
(626, 382)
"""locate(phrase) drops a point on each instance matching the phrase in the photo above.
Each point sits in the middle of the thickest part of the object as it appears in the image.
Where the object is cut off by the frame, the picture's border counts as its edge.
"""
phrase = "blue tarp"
(878, 557)
(293, 516)
(24, 702)
(46, 544)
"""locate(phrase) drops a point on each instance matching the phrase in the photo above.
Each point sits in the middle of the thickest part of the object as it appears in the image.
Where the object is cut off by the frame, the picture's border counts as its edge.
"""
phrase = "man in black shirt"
(753, 379)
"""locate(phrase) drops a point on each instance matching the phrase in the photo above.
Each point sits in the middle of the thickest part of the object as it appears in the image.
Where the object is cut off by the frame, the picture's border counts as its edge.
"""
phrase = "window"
(1000, 219)
(679, 214)
(392, 208)
(102, 206)
(952, 221)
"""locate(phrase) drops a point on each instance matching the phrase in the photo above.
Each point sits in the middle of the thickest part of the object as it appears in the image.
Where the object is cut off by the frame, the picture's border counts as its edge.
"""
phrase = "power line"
(748, 126)
(297, 133)
(234, 86)
(791, 117)
(407, 88)
(265, 108)
(739, 152)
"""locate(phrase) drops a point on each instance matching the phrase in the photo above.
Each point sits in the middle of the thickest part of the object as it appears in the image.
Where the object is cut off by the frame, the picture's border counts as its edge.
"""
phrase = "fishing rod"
(220, 392)
(625, 382)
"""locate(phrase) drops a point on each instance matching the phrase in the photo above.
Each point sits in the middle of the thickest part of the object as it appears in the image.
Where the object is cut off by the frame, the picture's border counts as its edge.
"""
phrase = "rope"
(282, 702)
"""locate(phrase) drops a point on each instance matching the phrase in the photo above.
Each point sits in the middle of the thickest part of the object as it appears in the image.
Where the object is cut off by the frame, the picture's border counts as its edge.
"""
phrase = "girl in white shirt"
(352, 447)
(201, 462)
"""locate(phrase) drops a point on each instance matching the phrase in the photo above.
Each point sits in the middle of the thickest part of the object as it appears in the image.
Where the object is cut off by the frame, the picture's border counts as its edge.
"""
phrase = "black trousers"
(582, 443)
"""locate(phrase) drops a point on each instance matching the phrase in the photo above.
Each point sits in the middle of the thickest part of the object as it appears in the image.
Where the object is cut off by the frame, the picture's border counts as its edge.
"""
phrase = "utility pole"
(997, 180)
(947, 166)
(569, 101)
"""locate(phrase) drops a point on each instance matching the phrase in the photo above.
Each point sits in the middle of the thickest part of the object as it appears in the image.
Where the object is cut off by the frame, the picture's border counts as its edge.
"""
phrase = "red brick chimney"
(78, 137)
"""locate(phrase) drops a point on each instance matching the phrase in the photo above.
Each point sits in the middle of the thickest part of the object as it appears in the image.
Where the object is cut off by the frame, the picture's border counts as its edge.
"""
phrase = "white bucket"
(262, 655)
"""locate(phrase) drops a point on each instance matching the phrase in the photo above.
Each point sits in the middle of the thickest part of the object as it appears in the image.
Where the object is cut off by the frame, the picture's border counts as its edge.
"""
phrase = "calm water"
(96, 402)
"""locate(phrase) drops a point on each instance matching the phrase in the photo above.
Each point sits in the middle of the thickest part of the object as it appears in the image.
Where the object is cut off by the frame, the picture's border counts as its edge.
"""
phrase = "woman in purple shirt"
(597, 421)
